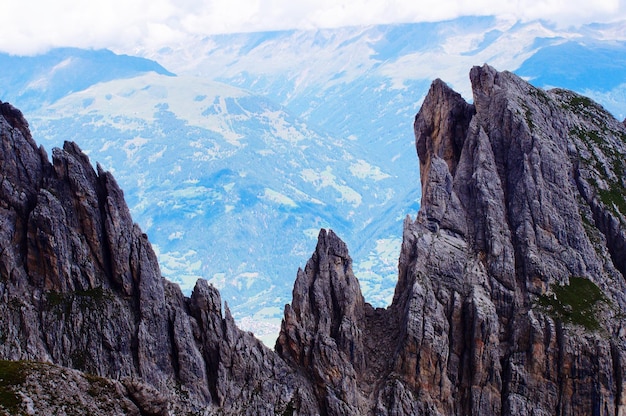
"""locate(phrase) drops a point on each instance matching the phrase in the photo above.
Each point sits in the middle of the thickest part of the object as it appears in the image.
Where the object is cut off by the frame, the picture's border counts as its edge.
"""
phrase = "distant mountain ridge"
(561, 65)
(38, 81)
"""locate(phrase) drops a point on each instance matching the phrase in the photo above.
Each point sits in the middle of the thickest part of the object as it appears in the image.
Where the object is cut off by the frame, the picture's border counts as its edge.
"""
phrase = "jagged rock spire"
(322, 330)
(441, 127)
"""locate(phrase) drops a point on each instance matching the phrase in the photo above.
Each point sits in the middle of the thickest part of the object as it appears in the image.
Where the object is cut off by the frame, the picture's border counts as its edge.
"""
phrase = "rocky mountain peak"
(445, 127)
(509, 228)
(322, 332)
(21, 160)
(80, 288)
(16, 120)
(327, 293)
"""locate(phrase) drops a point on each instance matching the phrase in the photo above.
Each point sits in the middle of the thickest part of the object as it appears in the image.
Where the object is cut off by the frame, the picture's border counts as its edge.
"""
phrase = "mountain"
(220, 173)
(559, 65)
(37, 81)
(510, 295)
(384, 67)
(230, 146)
(510, 292)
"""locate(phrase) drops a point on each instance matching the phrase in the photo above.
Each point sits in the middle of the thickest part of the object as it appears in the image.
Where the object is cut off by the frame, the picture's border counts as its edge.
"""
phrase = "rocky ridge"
(510, 296)
(81, 289)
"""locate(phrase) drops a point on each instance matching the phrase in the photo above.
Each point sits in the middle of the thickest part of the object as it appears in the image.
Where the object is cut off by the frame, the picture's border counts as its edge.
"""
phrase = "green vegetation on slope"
(12, 374)
(576, 303)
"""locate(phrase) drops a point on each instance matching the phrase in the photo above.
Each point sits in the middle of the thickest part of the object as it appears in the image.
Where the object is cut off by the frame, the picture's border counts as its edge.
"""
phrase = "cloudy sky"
(31, 26)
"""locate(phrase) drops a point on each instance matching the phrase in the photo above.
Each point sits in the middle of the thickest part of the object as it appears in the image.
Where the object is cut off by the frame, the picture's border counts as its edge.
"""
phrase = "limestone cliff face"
(510, 300)
(514, 266)
(511, 291)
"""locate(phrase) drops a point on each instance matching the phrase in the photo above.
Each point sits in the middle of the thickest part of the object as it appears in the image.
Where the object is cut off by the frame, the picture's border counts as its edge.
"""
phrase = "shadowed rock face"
(510, 297)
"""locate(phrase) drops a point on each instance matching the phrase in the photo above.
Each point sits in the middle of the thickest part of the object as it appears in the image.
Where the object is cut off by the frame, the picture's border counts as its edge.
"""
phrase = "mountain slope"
(200, 158)
(36, 81)
(511, 288)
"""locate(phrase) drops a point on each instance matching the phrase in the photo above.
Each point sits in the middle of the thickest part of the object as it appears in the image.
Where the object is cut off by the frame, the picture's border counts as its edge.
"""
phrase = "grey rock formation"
(510, 300)
(323, 332)
(80, 287)
(511, 291)
(492, 266)
(32, 388)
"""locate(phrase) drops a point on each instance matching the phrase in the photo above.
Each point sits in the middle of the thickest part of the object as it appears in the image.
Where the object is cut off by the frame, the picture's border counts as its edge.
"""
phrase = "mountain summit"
(510, 299)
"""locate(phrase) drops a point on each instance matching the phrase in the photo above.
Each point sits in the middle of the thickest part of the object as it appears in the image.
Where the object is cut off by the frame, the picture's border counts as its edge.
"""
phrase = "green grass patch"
(614, 198)
(12, 375)
(580, 101)
(541, 95)
(576, 303)
(612, 171)
(580, 104)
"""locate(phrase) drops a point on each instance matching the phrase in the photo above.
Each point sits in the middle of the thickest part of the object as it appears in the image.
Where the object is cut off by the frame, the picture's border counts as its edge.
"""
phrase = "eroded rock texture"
(80, 287)
(526, 211)
(510, 300)
(511, 292)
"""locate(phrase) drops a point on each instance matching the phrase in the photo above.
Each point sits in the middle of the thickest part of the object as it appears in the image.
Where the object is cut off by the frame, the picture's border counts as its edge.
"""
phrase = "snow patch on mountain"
(279, 198)
(363, 170)
(326, 179)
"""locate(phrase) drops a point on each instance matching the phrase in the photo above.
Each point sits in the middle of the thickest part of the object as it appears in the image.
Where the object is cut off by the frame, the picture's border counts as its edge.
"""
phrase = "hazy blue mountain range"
(233, 164)
(37, 81)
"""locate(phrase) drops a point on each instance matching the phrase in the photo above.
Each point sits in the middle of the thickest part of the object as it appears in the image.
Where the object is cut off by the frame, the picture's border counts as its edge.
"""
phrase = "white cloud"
(35, 25)
(31, 26)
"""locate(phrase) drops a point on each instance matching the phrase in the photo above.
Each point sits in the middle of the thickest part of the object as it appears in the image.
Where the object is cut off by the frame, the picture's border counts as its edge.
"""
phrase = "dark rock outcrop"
(510, 300)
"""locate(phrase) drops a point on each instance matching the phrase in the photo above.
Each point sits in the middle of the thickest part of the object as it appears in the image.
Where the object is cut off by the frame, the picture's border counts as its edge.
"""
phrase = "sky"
(34, 26)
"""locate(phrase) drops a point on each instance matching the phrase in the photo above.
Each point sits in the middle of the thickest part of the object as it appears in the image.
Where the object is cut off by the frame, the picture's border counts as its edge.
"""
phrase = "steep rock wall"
(511, 291)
